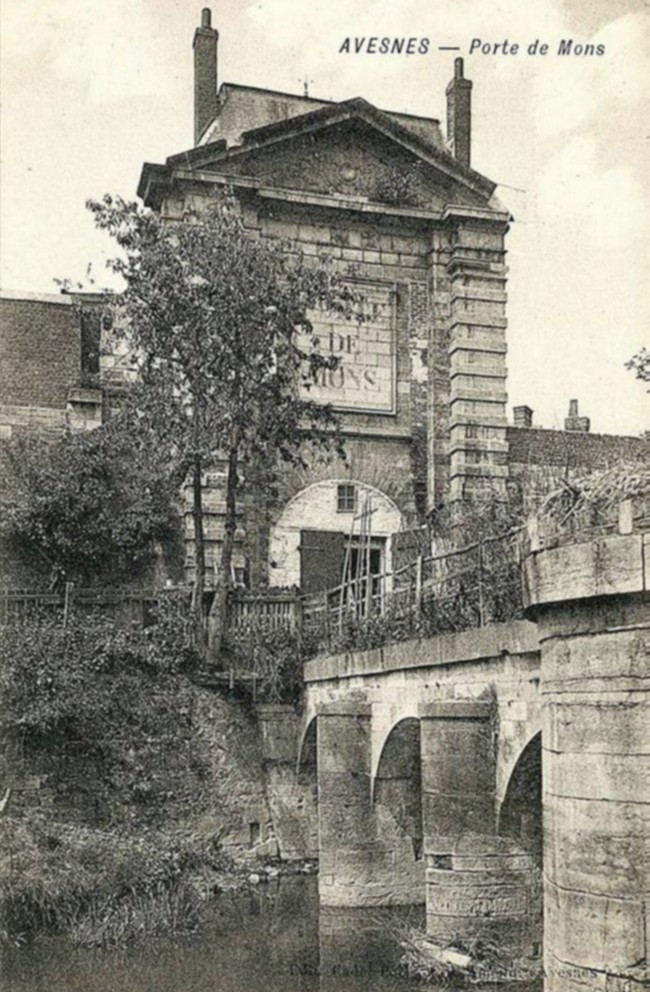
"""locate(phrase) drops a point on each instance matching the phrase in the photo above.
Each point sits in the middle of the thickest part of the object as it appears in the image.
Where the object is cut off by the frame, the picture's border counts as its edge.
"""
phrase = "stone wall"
(292, 802)
(477, 348)
(246, 789)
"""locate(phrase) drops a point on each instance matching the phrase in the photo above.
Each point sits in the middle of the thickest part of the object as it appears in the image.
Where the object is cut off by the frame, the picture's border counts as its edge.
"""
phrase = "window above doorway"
(346, 498)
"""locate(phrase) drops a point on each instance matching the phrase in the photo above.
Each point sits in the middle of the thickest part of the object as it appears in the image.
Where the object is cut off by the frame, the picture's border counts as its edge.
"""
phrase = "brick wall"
(40, 351)
(539, 458)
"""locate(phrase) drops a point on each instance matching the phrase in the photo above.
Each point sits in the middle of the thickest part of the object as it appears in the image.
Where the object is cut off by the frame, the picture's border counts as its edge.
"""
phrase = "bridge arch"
(397, 783)
(307, 762)
(520, 812)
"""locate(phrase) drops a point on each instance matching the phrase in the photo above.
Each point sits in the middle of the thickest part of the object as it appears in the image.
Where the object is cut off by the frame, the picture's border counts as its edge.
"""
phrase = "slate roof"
(254, 107)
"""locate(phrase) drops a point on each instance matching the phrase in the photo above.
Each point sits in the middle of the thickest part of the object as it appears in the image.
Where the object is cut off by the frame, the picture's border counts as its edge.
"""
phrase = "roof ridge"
(321, 99)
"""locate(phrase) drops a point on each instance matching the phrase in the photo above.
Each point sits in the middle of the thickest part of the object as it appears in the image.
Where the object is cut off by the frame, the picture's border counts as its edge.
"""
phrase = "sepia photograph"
(324, 496)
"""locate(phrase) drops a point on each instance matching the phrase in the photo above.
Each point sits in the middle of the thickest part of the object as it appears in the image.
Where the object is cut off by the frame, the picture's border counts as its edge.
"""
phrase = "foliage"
(221, 328)
(640, 365)
(472, 578)
(135, 777)
(596, 495)
(90, 504)
(273, 655)
(105, 710)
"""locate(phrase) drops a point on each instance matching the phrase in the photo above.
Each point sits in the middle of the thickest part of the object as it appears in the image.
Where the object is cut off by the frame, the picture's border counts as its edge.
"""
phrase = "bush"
(273, 655)
(103, 710)
(91, 504)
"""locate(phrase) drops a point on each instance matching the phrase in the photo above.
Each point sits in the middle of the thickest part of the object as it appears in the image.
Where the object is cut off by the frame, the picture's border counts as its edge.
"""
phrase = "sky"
(90, 92)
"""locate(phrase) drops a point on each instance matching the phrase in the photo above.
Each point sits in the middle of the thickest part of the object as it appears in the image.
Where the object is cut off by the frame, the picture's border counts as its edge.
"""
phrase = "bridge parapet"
(590, 553)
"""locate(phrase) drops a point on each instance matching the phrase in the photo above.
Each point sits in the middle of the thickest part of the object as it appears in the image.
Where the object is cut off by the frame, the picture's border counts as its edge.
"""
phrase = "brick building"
(49, 364)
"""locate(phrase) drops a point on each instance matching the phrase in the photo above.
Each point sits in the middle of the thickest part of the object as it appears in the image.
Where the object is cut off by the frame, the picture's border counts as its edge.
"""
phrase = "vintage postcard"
(325, 495)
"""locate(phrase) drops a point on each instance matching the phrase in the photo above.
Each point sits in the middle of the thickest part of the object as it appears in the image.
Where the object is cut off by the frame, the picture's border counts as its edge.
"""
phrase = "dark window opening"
(90, 347)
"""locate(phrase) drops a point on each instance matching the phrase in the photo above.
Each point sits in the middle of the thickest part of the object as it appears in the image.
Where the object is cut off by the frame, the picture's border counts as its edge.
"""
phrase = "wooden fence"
(454, 589)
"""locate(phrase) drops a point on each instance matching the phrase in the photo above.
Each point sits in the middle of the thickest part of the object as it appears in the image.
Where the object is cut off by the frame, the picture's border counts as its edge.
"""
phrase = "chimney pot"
(205, 74)
(459, 115)
(574, 422)
(523, 416)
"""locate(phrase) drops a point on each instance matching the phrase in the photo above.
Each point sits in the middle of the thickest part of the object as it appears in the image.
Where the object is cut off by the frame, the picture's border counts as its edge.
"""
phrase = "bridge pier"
(591, 604)
(475, 880)
(365, 859)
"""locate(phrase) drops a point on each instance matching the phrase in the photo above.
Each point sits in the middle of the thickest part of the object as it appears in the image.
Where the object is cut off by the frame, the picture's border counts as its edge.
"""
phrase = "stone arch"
(397, 785)
(315, 508)
(520, 812)
(307, 764)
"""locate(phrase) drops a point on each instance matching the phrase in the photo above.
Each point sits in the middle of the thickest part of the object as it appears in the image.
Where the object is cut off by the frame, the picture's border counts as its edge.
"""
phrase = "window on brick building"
(346, 498)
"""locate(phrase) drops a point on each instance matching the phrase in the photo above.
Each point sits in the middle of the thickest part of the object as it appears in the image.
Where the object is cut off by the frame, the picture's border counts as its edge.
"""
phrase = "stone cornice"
(459, 211)
(160, 178)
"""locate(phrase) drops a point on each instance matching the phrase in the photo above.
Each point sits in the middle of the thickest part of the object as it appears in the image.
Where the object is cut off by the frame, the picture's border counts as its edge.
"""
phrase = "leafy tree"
(89, 505)
(221, 330)
(640, 365)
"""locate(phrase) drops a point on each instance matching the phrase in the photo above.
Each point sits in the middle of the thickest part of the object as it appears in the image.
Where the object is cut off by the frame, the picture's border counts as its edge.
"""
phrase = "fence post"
(69, 586)
(481, 604)
(418, 582)
(328, 638)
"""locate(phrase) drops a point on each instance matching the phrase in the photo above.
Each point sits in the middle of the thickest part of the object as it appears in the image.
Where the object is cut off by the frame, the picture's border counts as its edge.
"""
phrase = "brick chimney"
(459, 115)
(523, 416)
(574, 422)
(205, 74)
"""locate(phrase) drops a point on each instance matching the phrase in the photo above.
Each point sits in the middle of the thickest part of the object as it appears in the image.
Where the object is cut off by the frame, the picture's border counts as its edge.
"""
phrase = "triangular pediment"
(348, 149)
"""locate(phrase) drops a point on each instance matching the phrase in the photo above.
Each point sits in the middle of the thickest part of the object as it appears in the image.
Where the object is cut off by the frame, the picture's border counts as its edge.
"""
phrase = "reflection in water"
(274, 939)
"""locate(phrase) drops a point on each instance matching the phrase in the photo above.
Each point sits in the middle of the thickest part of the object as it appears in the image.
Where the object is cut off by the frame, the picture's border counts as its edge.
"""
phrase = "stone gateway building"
(421, 386)
(421, 383)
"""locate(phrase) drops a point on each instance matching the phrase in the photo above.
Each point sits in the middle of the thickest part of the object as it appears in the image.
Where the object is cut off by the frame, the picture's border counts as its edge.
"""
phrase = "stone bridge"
(485, 772)
(416, 744)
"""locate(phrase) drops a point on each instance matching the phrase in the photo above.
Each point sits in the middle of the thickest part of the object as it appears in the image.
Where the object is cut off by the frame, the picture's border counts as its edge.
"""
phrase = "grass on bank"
(103, 887)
